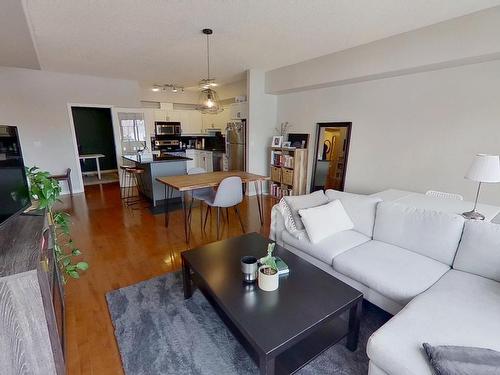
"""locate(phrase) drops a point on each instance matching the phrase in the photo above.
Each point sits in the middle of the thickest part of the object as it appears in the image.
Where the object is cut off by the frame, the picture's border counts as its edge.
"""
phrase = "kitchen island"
(157, 166)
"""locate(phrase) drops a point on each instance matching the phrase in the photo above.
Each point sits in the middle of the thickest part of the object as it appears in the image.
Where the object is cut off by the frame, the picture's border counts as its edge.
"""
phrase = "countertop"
(155, 159)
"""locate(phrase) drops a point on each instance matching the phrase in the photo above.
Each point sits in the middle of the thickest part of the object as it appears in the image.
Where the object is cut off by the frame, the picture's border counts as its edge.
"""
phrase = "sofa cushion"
(360, 208)
(460, 309)
(298, 202)
(431, 233)
(479, 250)
(463, 360)
(392, 271)
(324, 221)
(330, 247)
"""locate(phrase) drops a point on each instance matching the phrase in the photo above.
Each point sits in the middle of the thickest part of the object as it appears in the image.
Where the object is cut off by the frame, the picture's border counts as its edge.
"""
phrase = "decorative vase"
(268, 281)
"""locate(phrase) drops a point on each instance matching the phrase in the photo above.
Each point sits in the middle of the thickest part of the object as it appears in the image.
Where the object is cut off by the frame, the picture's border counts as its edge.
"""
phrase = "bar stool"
(125, 181)
(135, 173)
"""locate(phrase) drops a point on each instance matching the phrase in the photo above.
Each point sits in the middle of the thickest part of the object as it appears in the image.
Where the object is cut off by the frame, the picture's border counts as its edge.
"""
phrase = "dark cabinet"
(31, 299)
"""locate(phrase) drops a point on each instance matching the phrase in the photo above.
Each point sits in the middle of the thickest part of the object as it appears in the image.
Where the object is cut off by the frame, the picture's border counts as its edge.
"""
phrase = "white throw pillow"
(323, 221)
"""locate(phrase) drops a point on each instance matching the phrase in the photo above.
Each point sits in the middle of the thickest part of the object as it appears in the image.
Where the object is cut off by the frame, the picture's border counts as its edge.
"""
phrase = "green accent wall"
(94, 135)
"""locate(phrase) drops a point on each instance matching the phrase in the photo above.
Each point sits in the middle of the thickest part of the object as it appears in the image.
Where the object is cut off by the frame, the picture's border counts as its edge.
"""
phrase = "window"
(133, 132)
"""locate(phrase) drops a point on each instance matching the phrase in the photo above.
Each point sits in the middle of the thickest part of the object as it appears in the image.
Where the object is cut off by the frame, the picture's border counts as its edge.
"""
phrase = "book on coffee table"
(282, 266)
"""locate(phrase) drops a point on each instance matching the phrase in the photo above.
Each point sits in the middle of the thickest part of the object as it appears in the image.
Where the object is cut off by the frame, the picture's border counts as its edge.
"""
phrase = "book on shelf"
(280, 191)
(278, 159)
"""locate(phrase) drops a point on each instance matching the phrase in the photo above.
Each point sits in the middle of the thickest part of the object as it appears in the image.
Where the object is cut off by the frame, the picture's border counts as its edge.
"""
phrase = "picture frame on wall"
(277, 140)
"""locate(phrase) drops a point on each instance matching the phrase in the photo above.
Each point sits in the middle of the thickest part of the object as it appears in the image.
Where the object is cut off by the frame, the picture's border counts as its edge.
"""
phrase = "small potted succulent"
(268, 278)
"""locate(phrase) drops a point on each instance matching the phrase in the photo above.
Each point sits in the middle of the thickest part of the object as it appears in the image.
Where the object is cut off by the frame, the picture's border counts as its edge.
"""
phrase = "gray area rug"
(158, 332)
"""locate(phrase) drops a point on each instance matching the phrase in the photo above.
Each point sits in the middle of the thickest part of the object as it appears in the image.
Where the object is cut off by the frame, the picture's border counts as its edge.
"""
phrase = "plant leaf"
(82, 266)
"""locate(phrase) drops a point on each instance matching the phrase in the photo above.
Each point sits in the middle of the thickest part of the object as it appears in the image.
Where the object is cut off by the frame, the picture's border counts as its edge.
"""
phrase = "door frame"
(75, 142)
(321, 125)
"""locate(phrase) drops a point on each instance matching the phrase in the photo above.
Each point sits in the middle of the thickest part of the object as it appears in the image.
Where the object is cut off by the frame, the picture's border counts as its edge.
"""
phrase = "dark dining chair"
(65, 177)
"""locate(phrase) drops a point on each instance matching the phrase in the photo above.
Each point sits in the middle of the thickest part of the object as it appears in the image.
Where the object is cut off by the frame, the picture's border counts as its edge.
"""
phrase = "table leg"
(259, 203)
(266, 365)
(98, 168)
(354, 321)
(186, 219)
(186, 280)
(165, 204)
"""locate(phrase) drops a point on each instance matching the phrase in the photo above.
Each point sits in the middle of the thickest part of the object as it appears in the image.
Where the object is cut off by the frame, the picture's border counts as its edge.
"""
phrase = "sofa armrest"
(277, 225)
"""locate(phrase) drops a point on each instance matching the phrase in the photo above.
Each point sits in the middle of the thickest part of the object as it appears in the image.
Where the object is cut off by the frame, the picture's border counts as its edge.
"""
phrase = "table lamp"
(484, 168)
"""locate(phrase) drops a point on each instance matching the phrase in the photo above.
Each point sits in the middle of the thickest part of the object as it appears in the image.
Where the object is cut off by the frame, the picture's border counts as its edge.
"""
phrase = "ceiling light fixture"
(209, 100)
(173, 87)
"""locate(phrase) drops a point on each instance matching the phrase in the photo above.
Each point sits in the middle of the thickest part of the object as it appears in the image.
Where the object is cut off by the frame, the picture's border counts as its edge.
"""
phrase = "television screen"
(14, 190)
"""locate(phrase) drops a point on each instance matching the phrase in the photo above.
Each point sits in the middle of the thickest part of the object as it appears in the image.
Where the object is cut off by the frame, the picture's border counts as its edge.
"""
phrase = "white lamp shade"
(484, 168)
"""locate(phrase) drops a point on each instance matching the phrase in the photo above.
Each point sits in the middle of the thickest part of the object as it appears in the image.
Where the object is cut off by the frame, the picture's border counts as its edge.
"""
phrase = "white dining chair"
(442, 194)
(198, 194)
(228, 194)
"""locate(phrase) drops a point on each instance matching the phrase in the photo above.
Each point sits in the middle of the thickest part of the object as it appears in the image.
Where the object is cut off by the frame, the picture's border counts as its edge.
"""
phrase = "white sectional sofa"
(437, 274)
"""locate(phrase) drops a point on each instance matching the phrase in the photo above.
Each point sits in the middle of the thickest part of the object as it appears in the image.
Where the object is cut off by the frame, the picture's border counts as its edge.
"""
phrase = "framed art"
(277, 140)
(287, 144)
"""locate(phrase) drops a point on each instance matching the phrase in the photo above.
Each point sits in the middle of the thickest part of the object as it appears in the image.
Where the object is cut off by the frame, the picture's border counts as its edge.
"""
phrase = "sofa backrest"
(431, 233)
(360, 208)
(479, 250)
(299, 202)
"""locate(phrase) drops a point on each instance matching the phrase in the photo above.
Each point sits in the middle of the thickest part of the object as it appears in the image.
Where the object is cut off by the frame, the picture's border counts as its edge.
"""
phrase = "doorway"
(331, 155)
(96, 144)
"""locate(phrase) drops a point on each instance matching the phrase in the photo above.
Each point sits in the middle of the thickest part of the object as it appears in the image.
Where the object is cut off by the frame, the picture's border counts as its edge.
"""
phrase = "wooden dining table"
(186, 184)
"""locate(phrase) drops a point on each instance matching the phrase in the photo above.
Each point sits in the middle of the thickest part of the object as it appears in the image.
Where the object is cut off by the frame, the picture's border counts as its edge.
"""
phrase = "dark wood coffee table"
(281, 330)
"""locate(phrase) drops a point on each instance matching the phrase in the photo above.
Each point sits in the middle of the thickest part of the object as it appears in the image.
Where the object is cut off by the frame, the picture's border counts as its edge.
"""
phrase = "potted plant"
(45, 191)
(268, 278)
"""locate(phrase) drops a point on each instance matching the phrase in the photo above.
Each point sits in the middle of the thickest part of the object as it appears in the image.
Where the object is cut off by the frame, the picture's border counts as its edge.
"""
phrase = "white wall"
(414, 132)
(230, 90)
(460, 41)
(36, 101)
(261, 123)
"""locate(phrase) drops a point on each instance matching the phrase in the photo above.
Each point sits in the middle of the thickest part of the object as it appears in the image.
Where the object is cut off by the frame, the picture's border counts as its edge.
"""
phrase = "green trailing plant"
(46, 191)
(269, 260)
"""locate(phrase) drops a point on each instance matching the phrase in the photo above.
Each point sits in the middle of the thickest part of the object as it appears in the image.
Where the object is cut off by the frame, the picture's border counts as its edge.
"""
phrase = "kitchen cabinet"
(238, 111)
(161, 115)
(190, 120)
(192, 154)
(206, 160)
(200, 159)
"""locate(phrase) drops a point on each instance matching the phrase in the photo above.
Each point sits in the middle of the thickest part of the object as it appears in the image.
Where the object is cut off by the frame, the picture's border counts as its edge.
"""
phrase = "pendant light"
(209, 100)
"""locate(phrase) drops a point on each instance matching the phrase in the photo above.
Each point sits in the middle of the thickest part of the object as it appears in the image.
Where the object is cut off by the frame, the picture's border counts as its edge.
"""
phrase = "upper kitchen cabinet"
(218, 121)
(163, 113)
(191, 122)
(238, 111)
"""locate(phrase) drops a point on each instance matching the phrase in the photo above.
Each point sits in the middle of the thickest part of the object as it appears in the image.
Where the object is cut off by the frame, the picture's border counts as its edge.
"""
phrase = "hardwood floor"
(124, 247)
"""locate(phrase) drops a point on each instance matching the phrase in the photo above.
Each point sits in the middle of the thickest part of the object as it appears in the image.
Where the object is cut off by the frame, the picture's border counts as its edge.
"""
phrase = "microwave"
(167, 128)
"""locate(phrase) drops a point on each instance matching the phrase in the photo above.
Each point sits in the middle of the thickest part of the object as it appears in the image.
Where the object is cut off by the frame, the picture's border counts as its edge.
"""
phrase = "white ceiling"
(160, 40)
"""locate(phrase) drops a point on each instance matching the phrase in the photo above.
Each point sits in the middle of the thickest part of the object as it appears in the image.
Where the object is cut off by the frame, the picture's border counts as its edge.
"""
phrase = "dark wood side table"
(281, 330)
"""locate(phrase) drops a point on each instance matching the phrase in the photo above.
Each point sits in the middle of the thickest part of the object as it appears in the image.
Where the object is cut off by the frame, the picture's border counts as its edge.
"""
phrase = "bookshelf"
(288, 171)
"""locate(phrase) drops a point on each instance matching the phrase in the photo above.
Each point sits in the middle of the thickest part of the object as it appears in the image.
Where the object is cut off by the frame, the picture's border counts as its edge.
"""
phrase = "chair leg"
(218, 221)
(239, 218)
(209, 209)
(227, 217)
(201, 215)
(70, 186)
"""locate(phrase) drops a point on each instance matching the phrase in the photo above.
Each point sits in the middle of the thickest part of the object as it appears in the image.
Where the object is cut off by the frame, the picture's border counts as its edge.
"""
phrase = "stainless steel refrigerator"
(236, 145)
